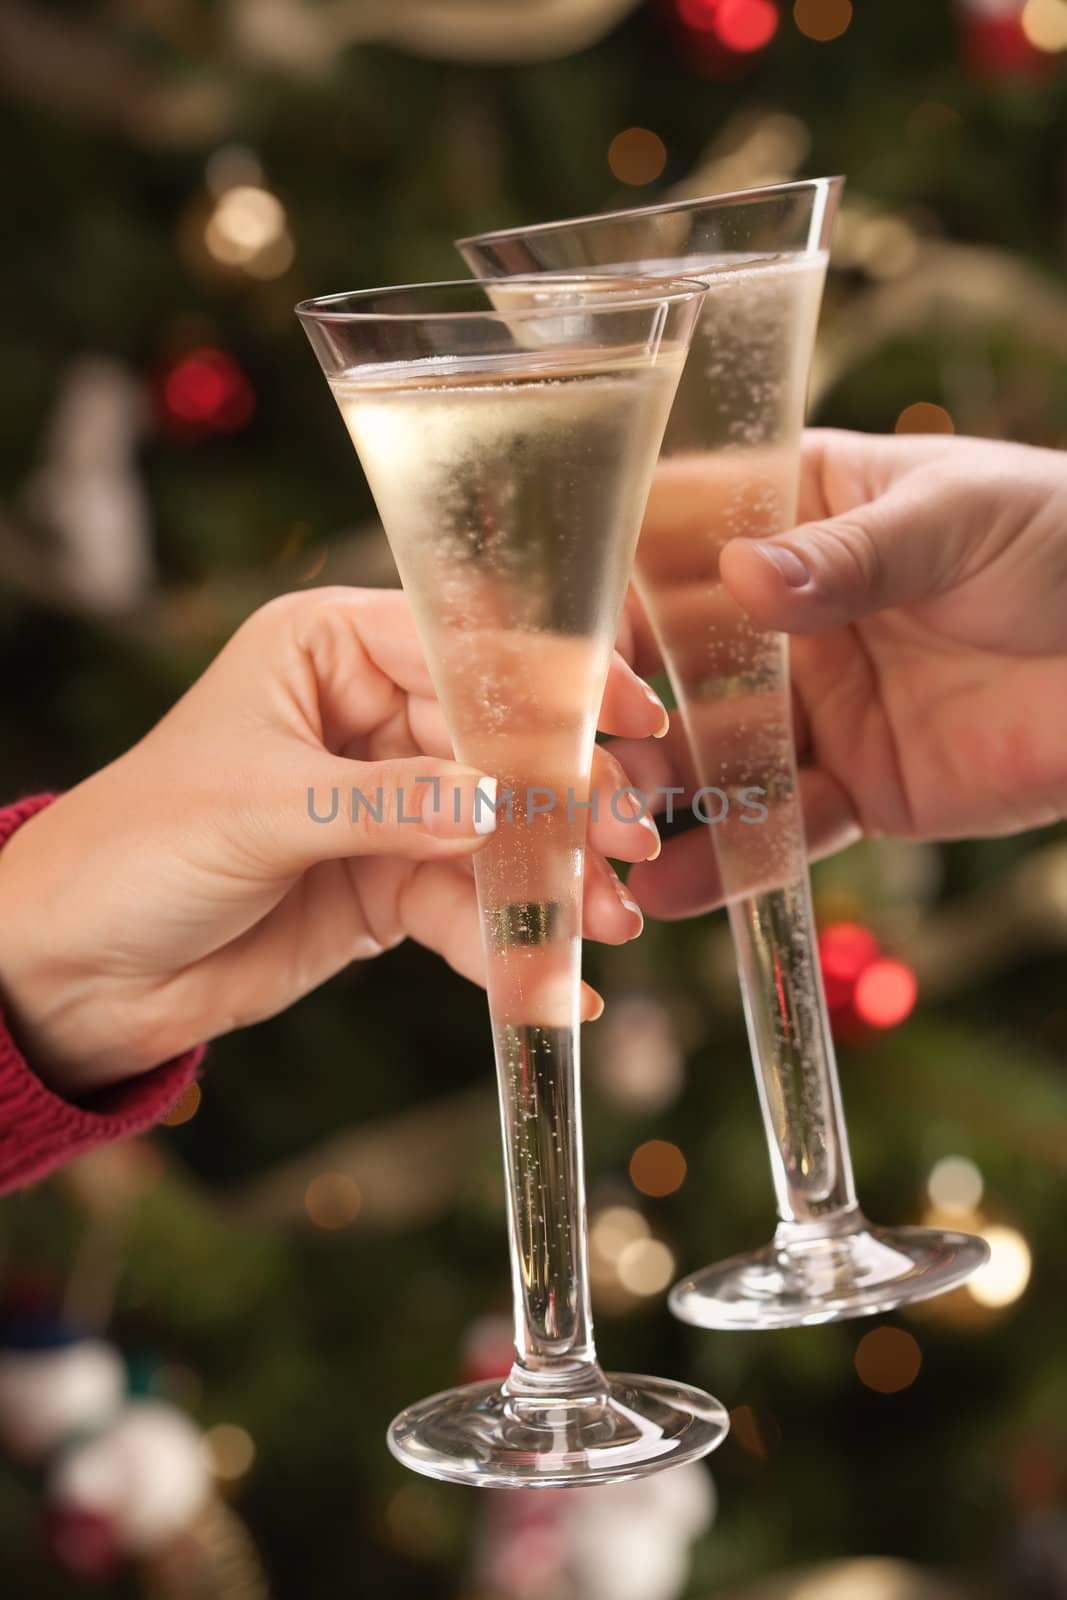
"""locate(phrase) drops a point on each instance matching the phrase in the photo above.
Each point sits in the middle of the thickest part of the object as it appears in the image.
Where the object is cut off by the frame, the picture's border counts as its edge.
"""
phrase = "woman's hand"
(927, 594)
(186, 890)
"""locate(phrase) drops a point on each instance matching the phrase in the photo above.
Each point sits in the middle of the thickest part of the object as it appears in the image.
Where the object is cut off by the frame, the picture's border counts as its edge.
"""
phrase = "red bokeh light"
(742, 26)
(206, 392)
(699, 14)
(885, 993)
(746, 25)
(845, 950)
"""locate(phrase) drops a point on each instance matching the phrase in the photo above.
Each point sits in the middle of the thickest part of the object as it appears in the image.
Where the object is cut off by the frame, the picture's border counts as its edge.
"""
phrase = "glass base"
(810, 1274)
(485, 1436)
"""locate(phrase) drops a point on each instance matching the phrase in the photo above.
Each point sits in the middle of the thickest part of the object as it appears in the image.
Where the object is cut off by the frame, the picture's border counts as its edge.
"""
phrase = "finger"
(620, 825)
(891, 551)
(686, 879)
(610, 913)
(661, 771)
(419, 809)
(629, 705)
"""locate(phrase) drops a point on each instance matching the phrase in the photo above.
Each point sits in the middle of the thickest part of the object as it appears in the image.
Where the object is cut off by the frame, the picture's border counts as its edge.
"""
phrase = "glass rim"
(636, 292)
(711, 202)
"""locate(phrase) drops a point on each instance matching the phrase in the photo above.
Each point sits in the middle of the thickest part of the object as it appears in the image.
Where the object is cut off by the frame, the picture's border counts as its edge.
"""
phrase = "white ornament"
(630, 1541)
(146, 1474)
(48, 1395)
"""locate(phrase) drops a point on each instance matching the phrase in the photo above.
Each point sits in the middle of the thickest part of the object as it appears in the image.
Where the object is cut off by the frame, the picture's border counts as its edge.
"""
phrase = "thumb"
(423, 809)
(823, 575)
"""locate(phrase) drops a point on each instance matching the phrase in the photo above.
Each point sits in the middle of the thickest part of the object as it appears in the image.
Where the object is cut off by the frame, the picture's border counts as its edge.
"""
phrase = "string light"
(888, 1360)
(1044, 22)
(955, 1185)
(885, 993)
(1004, 1277)
(924, 417)
(228, 1451)
(822, 20)
(333, 1200)
(846, 949)
(637, 156)
(645, 1266)
(657, 1168)
(184, 1108)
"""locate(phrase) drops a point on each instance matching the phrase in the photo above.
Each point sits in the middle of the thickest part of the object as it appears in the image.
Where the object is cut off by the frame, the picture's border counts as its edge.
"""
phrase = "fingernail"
(485, 806)
(656, 843)
(629, 903)
(665, 722)
(789, 566)
(631, 805)
(460, 809)
(592, 1004)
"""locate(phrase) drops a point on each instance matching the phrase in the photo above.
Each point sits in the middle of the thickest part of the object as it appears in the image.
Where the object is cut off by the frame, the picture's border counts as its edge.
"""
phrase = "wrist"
(79, 1028)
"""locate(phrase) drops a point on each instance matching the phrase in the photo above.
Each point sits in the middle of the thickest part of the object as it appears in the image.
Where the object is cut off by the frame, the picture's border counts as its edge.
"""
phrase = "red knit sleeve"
(39, 1130)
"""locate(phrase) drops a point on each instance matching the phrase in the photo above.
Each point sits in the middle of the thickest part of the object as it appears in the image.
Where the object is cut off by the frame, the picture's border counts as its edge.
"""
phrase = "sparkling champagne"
(729, 470)
(512, 489)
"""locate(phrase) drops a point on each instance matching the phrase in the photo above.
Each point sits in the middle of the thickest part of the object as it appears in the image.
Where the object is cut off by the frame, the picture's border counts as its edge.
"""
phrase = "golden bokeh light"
(888, 1360)
(955, 1185)
(228, 1451)
(1044, 23)
(637, 156)
(822, 19)
(645, 1266)
(184, 1108)
(614, 1228)
(333, 1200)
(248, 229)
(924, 417)
(1006, 1274)
(657, 1168)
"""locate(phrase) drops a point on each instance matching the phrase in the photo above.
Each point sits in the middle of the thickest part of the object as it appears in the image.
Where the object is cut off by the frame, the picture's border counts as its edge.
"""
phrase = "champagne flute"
(509, 444)
(730, 468)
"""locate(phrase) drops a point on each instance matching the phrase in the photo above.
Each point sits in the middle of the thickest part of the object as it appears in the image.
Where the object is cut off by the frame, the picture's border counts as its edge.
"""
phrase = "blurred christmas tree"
(179, 174)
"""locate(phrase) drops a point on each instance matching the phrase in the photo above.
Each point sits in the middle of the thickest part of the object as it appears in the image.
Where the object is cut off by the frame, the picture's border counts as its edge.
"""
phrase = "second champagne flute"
(730, 469)
(509, 446)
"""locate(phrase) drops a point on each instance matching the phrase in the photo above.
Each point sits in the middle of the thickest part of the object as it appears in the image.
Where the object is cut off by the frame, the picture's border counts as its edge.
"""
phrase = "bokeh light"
(248, 229)
(333, 1200)
(657, 1168)
(924, 417)
(228, 1451)
(645, 1266)
(1044, 22)
(885, 993)
(206, 390)
(746, 25)
(846, 949)
(888, 1360)
(955, 1184)
(1004, 1277)
(822, 19)
(614, 1228)
(637, 156)
(740, 25)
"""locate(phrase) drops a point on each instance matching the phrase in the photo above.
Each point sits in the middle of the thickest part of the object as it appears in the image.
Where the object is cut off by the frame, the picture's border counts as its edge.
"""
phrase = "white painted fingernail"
(485, 806)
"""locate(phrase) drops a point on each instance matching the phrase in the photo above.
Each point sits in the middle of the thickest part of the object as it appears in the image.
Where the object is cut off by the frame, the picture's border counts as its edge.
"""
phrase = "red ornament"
(205, 392)
(83, 1543)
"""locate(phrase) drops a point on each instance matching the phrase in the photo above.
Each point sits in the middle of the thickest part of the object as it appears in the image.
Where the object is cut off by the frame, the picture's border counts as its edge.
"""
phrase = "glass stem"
(540, 1108)
(793, 1056)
